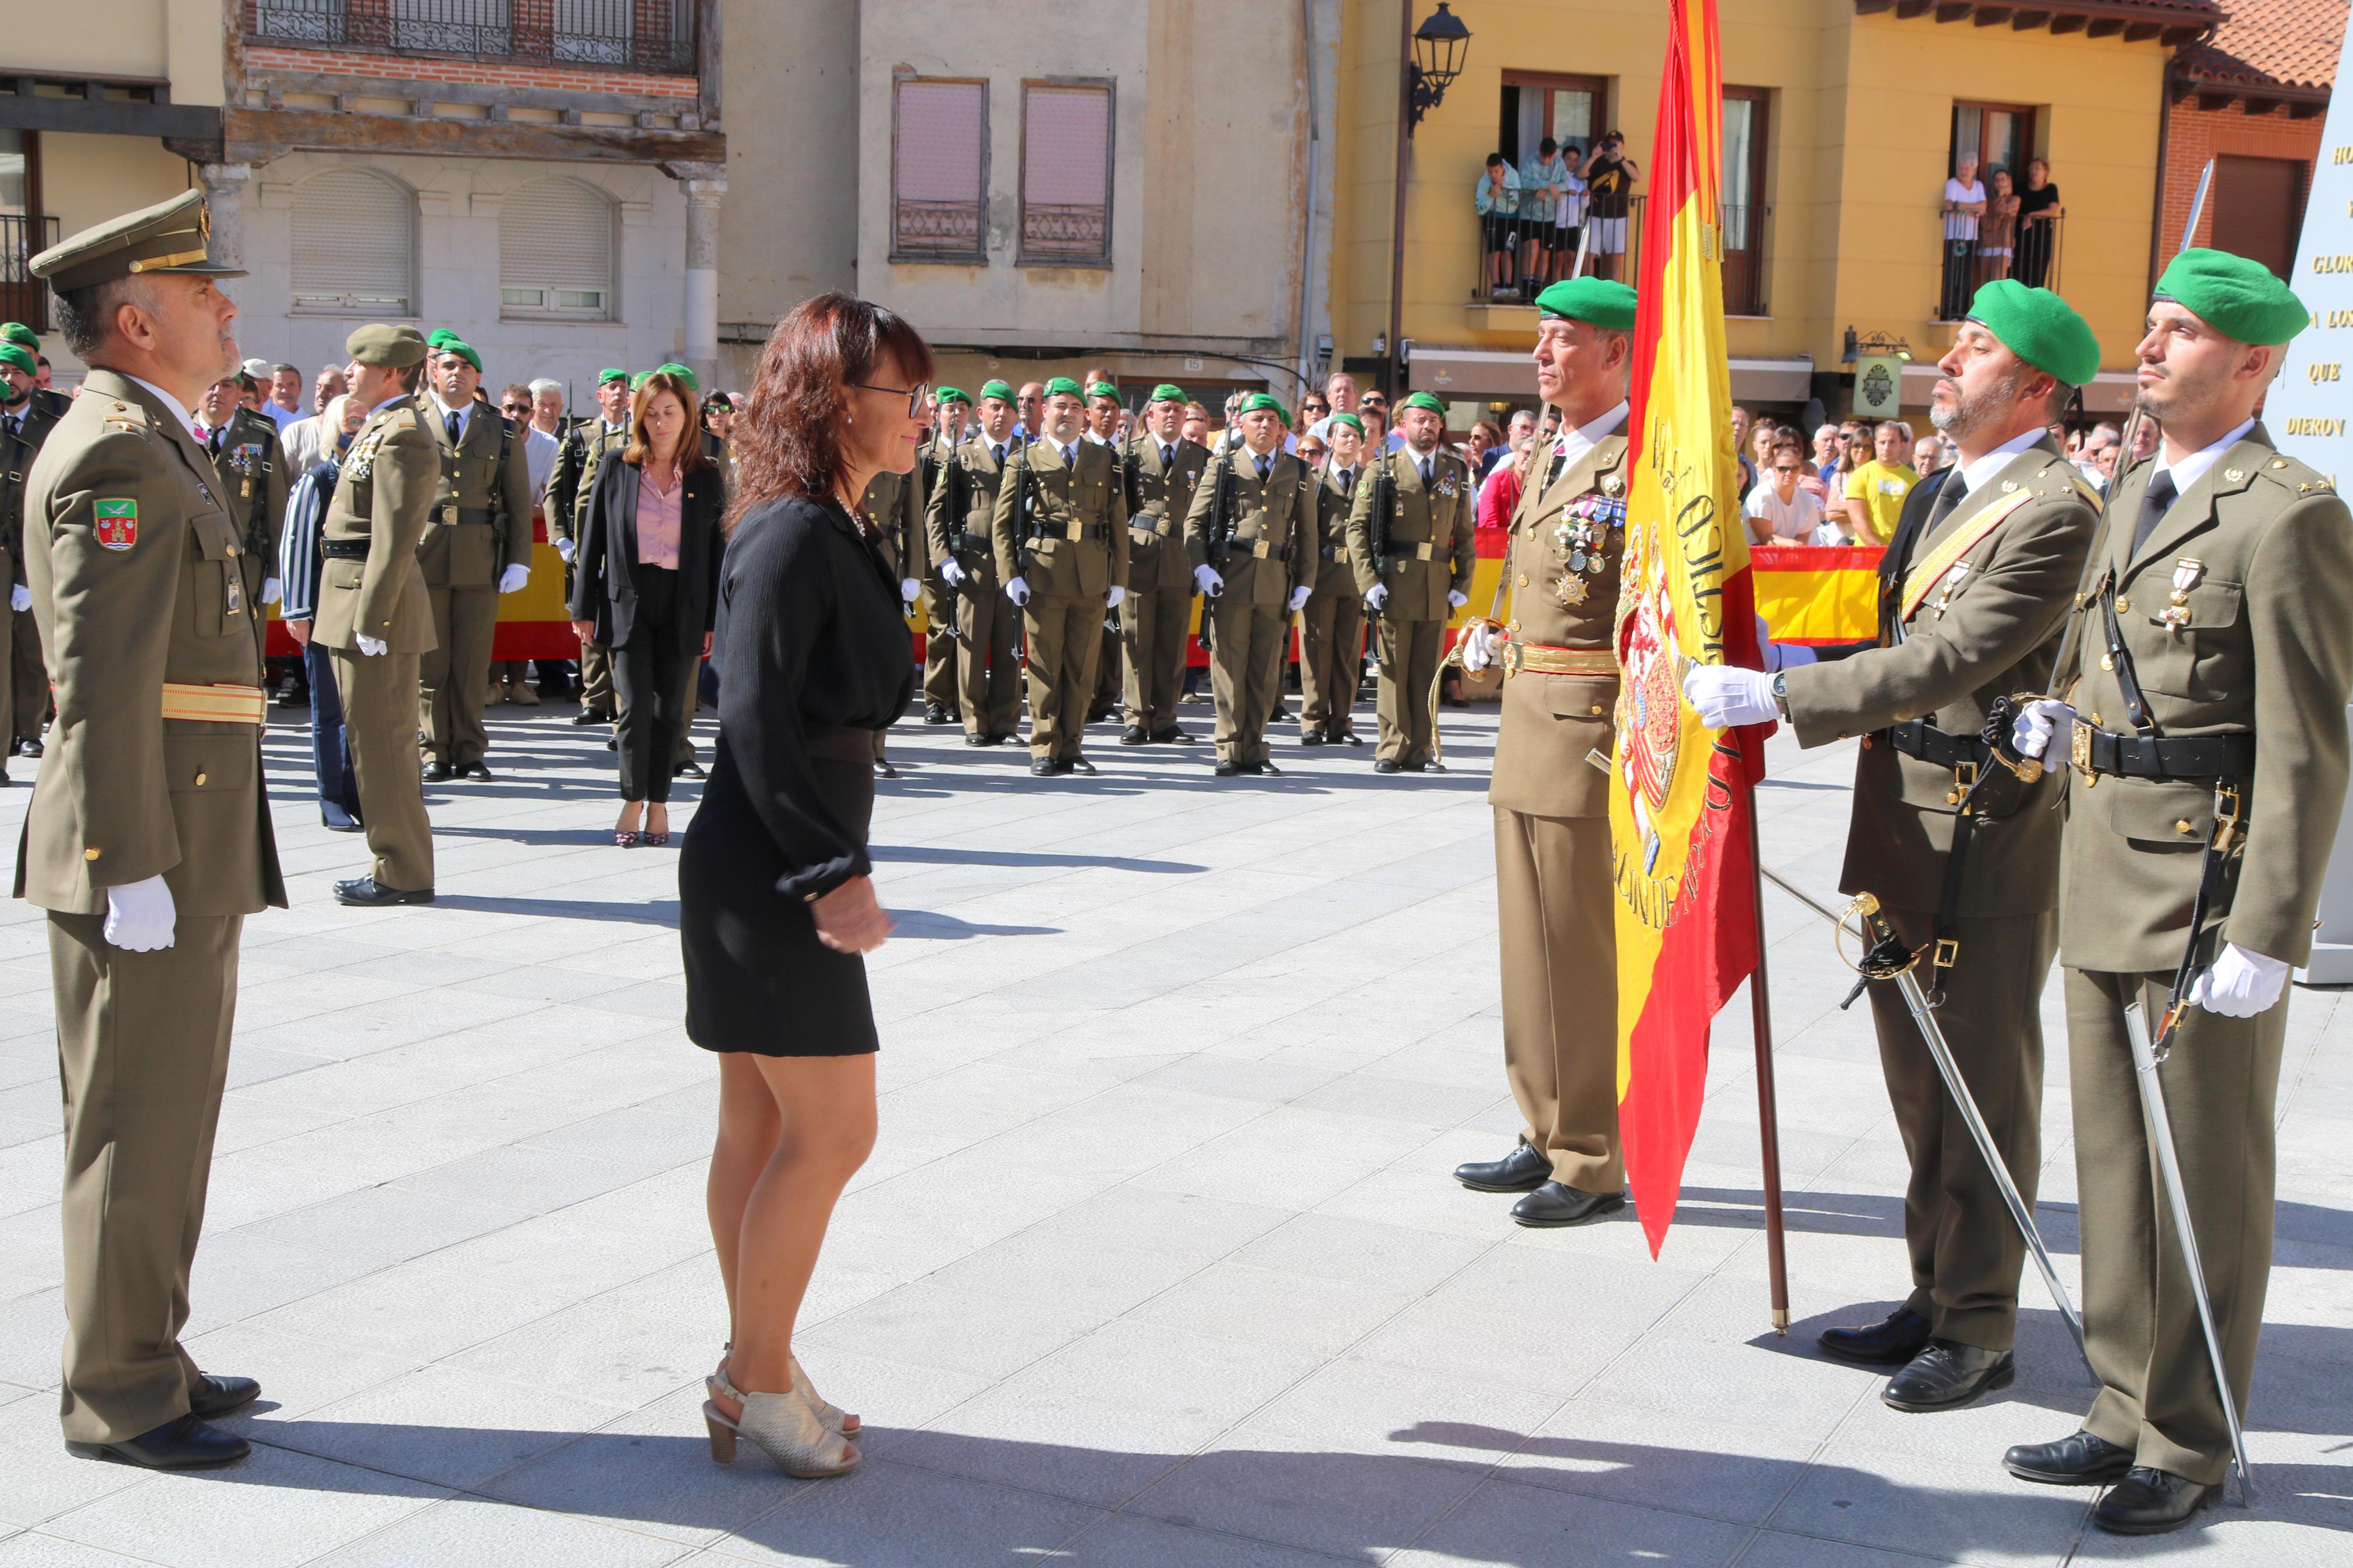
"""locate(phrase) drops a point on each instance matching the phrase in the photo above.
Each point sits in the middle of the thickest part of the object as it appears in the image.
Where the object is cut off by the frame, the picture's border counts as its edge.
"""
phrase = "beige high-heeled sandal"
(841, 1421)
(784, 1427)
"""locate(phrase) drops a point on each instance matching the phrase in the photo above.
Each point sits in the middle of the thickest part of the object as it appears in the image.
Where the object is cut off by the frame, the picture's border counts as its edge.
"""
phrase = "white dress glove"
(270, 590)
(1206, 578)
(20, 598)
(1112, 599)
(370, 646)
(2239, 984)
(140, 916)
(1018, 590)
(512, 579)
(951, 573)
(2042, 728)
(1457, 597)
(564, 550)
(1729, 696)
(1479, 640)
(909, 588)
(1299, 598)
(1376, 596)
(1780, 656)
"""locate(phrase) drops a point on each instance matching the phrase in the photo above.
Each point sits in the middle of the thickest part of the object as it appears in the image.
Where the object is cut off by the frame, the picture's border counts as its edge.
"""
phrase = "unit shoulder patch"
(115, 521)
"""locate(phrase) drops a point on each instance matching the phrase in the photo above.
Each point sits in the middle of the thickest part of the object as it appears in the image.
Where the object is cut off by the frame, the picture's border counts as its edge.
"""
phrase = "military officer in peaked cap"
(1961, 852)
(2207, 732)
(148, 840)
(375, 613)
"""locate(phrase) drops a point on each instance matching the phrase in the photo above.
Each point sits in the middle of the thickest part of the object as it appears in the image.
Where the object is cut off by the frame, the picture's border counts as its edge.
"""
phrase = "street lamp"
(1429, 59)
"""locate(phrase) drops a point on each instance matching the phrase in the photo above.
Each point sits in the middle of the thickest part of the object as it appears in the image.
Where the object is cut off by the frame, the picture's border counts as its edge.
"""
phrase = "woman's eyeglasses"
(915, 396)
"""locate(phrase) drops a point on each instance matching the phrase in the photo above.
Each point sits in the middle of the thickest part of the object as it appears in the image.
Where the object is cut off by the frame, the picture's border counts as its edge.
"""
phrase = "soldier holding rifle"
(1250, 537)
(2208, 734)
(1162, 470)
(1962, 853)
(1410, 535)
(940, 705)
(988, 681)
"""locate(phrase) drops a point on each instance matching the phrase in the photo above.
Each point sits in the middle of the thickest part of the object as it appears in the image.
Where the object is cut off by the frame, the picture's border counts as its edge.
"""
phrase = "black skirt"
(757, 978)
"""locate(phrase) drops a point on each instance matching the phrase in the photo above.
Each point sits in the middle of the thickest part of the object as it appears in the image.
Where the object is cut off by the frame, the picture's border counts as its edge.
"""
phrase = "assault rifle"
(1221, 528)
(1384, 510)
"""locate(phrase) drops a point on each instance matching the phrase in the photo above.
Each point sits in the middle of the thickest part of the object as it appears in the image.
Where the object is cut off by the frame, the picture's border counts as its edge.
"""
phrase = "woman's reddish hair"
(787, 439)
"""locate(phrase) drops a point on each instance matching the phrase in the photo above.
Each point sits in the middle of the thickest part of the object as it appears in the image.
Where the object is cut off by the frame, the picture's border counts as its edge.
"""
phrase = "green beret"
(1350, 420)
(387, 347)
(20, 357)
(998, 390)
(22, 336)
(1594, 300)
(1256, 401)
(448, 343)
(2040, 327)
(608, 375)
(672, 368)
(1423, 400)
(170, 237)
(955, 395)
(1063, 384)
(2235, 296)
(638, 380)
(1167, 391)
(1103, 389)
(439, 338)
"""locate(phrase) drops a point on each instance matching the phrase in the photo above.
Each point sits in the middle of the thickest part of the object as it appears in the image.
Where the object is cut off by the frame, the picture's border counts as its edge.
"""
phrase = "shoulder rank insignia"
(116, 524)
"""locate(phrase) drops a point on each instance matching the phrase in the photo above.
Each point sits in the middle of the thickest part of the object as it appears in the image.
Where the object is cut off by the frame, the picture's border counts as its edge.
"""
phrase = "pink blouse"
(658, 519)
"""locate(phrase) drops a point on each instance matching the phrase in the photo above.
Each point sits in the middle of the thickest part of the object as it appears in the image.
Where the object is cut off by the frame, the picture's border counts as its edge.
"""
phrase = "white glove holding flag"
(2044, 727)
(140, 916)
(1018, 590)
(1478, 642)
(270, 590)
(1206, 579)
(1299, 598)
(1780, 656)
(951, 573)
(2239, 984)
(909, 588)
(1376, 596)
(1729, 696)
(512, 579)
(370, 646)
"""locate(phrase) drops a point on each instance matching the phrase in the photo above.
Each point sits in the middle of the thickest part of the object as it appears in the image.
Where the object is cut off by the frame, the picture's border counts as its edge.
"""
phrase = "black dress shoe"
(436, 773)
(1426, 766)
(1228, 768)
(612, 745)
(368, 893)
(1266, 770)
(2151, 1502)
(689, 769)
(2081, 1461)
(1555, 1204)
(1175, 736)
(30, 748)
(935, 714)
(1045, 767)
(184, 1443)
(213, 1397)
(1133, 735)
(1078, 765)
(1522, 1169)
(1312, 738)
(592, 716)
(883, 770)
(1946, 1375)
(1385, 765)
(1349, 737)
(1891, 1342)
(476, 771)
(973, 738)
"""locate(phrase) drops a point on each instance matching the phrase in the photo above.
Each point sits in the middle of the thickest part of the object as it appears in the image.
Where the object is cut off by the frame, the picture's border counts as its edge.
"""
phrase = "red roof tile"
(2273, 43)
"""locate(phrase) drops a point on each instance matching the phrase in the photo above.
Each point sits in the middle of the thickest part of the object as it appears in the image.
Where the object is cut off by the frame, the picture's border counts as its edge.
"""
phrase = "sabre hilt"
(1999, 734)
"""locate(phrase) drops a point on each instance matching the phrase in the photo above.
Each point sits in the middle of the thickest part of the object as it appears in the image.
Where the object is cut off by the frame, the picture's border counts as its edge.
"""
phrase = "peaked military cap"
(1063, 384)
(996, 389)
(1595, 300)
(387, 347)
(2235, 296)
(1168, 392)
(170, 237)
(2040, 327)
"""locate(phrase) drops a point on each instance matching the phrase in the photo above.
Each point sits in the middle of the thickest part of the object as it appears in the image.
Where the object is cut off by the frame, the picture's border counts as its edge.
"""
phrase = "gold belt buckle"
(1964, 779)
(1948, 952)
(2079, 753)
(1513, 659)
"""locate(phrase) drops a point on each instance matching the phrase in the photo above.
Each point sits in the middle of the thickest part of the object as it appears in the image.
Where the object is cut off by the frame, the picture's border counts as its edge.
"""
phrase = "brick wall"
(493, 73)
(2196, 135)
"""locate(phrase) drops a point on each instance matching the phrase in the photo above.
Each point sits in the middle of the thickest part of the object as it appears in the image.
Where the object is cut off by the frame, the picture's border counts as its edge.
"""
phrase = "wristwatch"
(1781, 694)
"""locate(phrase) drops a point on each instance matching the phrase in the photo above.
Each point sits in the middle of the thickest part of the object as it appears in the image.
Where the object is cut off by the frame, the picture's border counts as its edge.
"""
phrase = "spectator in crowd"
(326, 386)
(1517, 430)
(1828, 441)
(1998, 230)
(548, 408)
(1568, 219)
(2039, 213)
(646, 585)
(1341, 388)
(1542, 185)
(1762, 438)
(1496, 199)
(1313, 409)
(1196, 425)
(1031, 401)
(1610, 178)
(2095, 457)
(1312, 450)
(1875, 491)
(285, 400)
(1964, 204)
(1929, 455)
(2145, 440)
(1485, 437)
(1780, 511)
(254, 389)
(297, 573)
(511, 677)
(719, 416)
(1499, 492)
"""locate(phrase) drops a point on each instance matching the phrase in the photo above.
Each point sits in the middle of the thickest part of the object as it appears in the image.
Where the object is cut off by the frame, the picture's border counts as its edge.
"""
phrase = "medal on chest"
(1949, 586)
(1581, 539)
(2186, 574)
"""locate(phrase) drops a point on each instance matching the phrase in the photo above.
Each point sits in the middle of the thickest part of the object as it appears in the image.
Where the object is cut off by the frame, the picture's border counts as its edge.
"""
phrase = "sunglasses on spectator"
(914, 396)
(521, 410)
(1784, 468)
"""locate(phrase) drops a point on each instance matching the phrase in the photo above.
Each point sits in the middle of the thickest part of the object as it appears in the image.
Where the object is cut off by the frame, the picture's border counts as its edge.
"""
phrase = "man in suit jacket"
(1332, 624)
(148, 840)
(1413, 569)
(1163, 471)
(962, 505)
(375, 614)
(1550, 791)
(1961, 853)
(477, 546)
(1255, 576)
(2209, 735)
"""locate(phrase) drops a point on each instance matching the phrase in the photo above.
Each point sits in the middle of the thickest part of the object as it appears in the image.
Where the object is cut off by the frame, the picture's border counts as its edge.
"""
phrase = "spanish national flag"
(1681, 806)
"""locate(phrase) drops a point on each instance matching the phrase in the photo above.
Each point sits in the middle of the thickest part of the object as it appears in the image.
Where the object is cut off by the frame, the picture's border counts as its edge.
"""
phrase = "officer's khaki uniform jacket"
(390, 478)
(1078, 507)
(16, 454)
(893, 507)
(481, 523)
(1273, 546)
(252, 468)
(125, 525)
(1155, 531)
(968, 537)
(1432, 542)
(1335, 570)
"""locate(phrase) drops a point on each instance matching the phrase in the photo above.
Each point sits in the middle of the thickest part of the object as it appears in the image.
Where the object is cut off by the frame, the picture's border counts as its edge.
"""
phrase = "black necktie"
(1347, 481)
(2153, 507)
(999, 450)
(1425, 473)
(1265, 466)
(1947, 497)
(1167, 456)
(453, 427)
(213, 442)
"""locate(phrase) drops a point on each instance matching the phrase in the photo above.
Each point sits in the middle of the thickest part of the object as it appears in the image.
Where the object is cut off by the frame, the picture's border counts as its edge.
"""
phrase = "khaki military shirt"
(1273, 547)
(1160, 497)
(481, 522)
(385, 493)
(1430, 547)
(1074, 543)
(1335, 571)
(957, 514)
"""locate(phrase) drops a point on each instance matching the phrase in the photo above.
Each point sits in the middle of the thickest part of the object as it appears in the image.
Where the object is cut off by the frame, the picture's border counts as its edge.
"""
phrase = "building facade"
(2252, 100)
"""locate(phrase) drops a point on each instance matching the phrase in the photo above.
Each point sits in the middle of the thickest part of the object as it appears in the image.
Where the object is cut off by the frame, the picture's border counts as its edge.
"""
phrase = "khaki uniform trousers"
(142, 1053)
(8, 619)
(939, 650)
(1331, 661)
(1246, 675)
(988, 677)
(1410, 653)
(27, 676)
(1965, 1247)
(379, 696)
(1065, 640)
(1110, 666)
(595, 665)
(1153, 624)
(456, 672)
(2140, 1322)
(1554, 906)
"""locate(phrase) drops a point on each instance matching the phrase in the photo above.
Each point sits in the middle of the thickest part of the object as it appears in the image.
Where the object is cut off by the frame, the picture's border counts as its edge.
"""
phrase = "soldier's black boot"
(1947, 1375)
(2080, 1460)
(1893, 1342)
(2151, 1502)
(1522, 1169)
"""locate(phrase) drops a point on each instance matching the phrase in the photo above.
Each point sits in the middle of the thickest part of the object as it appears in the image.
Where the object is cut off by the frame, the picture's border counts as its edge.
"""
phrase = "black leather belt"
(973, 543)
(1092, 533)
(1937, 748)
(445, 514)
(2200, 757)
(344, 549)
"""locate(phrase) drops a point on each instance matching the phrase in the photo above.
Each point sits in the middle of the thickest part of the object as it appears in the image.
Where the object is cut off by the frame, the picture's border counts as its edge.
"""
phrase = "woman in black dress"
(775, 898)
(2039, 213)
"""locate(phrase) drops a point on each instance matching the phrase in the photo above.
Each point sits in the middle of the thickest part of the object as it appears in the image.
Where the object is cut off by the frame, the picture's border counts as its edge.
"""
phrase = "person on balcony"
(1998, 230)
(1609, 177)
(2039, 213)
(1965, 203)
(1543, 185)
(1497, 200)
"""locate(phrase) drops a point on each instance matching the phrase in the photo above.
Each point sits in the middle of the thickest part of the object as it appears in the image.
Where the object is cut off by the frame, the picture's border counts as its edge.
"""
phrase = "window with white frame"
(555, 251)
(1066, 172)
(354, 244)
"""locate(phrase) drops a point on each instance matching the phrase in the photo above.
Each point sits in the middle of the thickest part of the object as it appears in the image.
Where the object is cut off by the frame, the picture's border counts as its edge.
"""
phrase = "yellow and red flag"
(1680, 806)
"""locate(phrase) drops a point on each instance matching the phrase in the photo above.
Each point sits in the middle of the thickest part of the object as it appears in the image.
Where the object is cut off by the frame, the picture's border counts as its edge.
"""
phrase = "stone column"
(705, 186)
(225, 186)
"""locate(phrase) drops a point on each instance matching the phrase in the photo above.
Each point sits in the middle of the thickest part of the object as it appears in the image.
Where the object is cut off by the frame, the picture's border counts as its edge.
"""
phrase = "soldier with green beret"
(148, 840)
(1410, 535)
(477, 546)
(25, 421)
(1250, 537)
(1961, 852)
(1103, 413)
(951, 406)
(1162, 472)
(957, 519)
(1332, 623)
(565, 506)
(2207, 731)
(52, 401)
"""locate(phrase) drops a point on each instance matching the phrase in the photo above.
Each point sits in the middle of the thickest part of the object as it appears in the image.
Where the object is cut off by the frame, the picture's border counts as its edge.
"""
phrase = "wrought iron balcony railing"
(644, 35)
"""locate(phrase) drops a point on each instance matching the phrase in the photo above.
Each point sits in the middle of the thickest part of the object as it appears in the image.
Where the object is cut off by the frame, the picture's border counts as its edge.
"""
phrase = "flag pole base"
(1780, 1320)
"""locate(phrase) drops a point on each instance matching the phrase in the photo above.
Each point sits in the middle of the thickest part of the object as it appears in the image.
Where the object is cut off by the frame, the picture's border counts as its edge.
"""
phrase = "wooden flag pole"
(1768, 1119)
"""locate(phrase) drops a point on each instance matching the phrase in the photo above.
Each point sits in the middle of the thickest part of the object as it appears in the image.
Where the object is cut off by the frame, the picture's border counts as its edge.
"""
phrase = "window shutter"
(355, 246)
(1066, 172)
(936, 167)
(556, 249)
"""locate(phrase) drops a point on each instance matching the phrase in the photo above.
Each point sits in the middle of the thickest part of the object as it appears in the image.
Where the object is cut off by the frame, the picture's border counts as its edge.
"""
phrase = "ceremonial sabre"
(1882, 941)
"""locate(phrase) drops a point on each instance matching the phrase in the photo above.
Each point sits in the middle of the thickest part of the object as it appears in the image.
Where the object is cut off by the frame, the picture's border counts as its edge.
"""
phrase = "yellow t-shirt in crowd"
(1881, 489)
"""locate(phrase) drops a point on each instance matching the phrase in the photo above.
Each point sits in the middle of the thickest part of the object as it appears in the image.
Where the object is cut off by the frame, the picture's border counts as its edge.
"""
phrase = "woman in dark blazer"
(646, 585)
(776, 898)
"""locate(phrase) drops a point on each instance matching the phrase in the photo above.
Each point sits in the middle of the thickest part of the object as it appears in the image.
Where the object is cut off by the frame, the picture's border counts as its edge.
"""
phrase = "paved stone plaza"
(1157, 1262)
